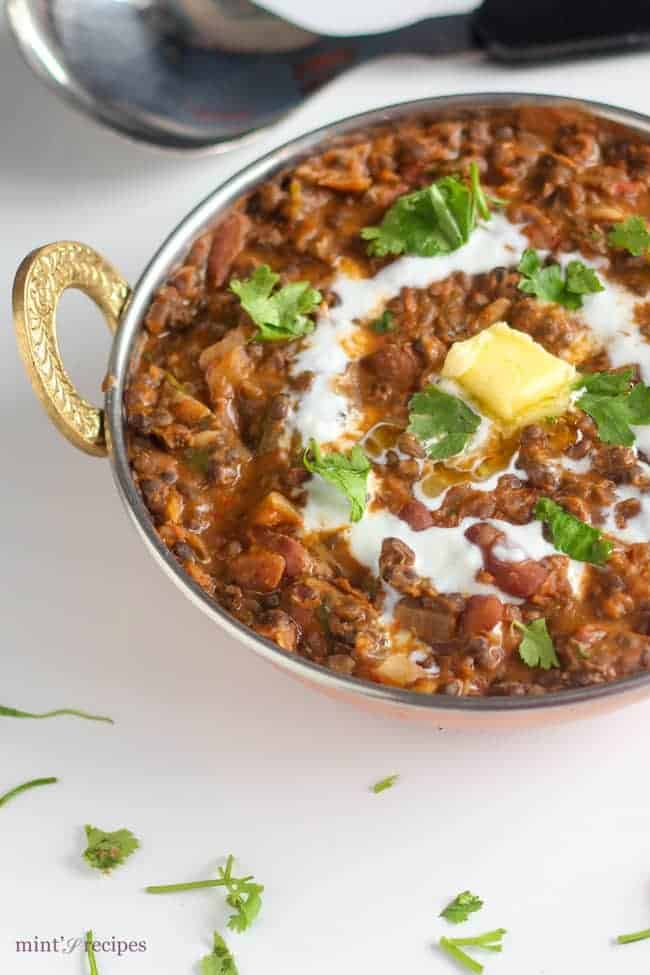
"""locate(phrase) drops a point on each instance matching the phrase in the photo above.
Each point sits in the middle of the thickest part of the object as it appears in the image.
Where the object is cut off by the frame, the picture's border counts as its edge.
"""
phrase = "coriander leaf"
(243, 894)
(347, 473)
(6, 712)
(431, 221)
(605, 383)
(90, 951)
(410, 226)
(536, 648)
(461, 907)
(442, 422)
(551, 284)
(529, 264)
(628, 939)
(280, 314)
(220, 961)
(631, 235)
(572, 536)
(247, 904)
(255, 293)
(638, 404)
(24, 787)
(611, 415)
(294, 302)
(614, 406)
(547, 283)
(582, 280)
(384, 784)
(108, 850)
(385, 323)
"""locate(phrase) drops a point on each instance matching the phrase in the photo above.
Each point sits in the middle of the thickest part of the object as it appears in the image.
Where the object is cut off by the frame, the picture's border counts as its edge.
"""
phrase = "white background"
(212, 751)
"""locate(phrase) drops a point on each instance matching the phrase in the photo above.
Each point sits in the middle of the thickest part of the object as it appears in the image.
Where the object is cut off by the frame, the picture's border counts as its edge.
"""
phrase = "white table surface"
(213, 751)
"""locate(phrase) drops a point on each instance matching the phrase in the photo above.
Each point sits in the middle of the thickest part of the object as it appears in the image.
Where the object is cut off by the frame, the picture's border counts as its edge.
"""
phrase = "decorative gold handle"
(40, 281)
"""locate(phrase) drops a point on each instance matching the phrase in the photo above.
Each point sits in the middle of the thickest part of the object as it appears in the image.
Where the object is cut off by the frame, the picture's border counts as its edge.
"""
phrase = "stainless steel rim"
(171, 251)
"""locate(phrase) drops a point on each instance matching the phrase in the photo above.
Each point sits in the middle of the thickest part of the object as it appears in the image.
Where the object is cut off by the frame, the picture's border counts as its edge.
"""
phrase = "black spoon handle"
(532, 30)
(536, 30)
(328, 57)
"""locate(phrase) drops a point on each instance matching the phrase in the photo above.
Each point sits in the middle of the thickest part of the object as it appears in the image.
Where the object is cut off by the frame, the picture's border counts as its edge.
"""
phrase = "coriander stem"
(24, 787)
(384, 784)
(627, 939)
(483, 940)
(460, 956)
(6, 712)
(470, 942)
(192, 885)
(92, 961)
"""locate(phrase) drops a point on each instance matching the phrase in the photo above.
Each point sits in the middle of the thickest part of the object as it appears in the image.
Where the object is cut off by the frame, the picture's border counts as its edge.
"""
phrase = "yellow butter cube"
(511, 375)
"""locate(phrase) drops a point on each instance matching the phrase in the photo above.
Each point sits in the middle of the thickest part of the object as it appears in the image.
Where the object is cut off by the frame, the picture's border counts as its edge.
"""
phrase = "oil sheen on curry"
(391, 412)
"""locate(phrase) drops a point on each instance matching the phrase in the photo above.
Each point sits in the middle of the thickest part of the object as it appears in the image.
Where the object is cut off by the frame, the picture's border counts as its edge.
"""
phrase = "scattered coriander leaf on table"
(435, 220)
(384, 784)
(385, 323)
(243, 894)
(279, 315)
(572, 536)
(550, 283)
(247, 904)
(631, 235)
(628, 939)
(33, 784)
(220, 960)
(442, 422)
(108, 850)
(536, 648)
(90, 951)
(348, 473)
(6, 712)
(461, 907)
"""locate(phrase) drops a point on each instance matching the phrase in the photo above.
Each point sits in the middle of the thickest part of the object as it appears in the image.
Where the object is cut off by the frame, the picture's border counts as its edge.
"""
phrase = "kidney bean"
(482, 613)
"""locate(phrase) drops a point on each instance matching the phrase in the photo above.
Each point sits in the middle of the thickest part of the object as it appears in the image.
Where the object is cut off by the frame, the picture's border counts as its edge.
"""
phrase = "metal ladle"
(206, 74)
(196, 74)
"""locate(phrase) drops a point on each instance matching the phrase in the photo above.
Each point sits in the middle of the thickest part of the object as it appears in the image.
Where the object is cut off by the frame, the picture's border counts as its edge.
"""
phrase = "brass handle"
(40, 281)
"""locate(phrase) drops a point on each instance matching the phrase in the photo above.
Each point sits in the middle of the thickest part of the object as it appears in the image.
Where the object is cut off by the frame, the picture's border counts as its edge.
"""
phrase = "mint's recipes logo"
(65, 946)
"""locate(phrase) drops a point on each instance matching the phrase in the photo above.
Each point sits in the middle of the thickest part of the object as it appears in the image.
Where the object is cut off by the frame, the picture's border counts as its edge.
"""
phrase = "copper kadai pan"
(47, 272)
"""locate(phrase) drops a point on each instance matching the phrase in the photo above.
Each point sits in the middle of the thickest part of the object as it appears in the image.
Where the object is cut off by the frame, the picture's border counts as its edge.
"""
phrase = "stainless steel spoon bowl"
(195, 74)
(206, 74)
